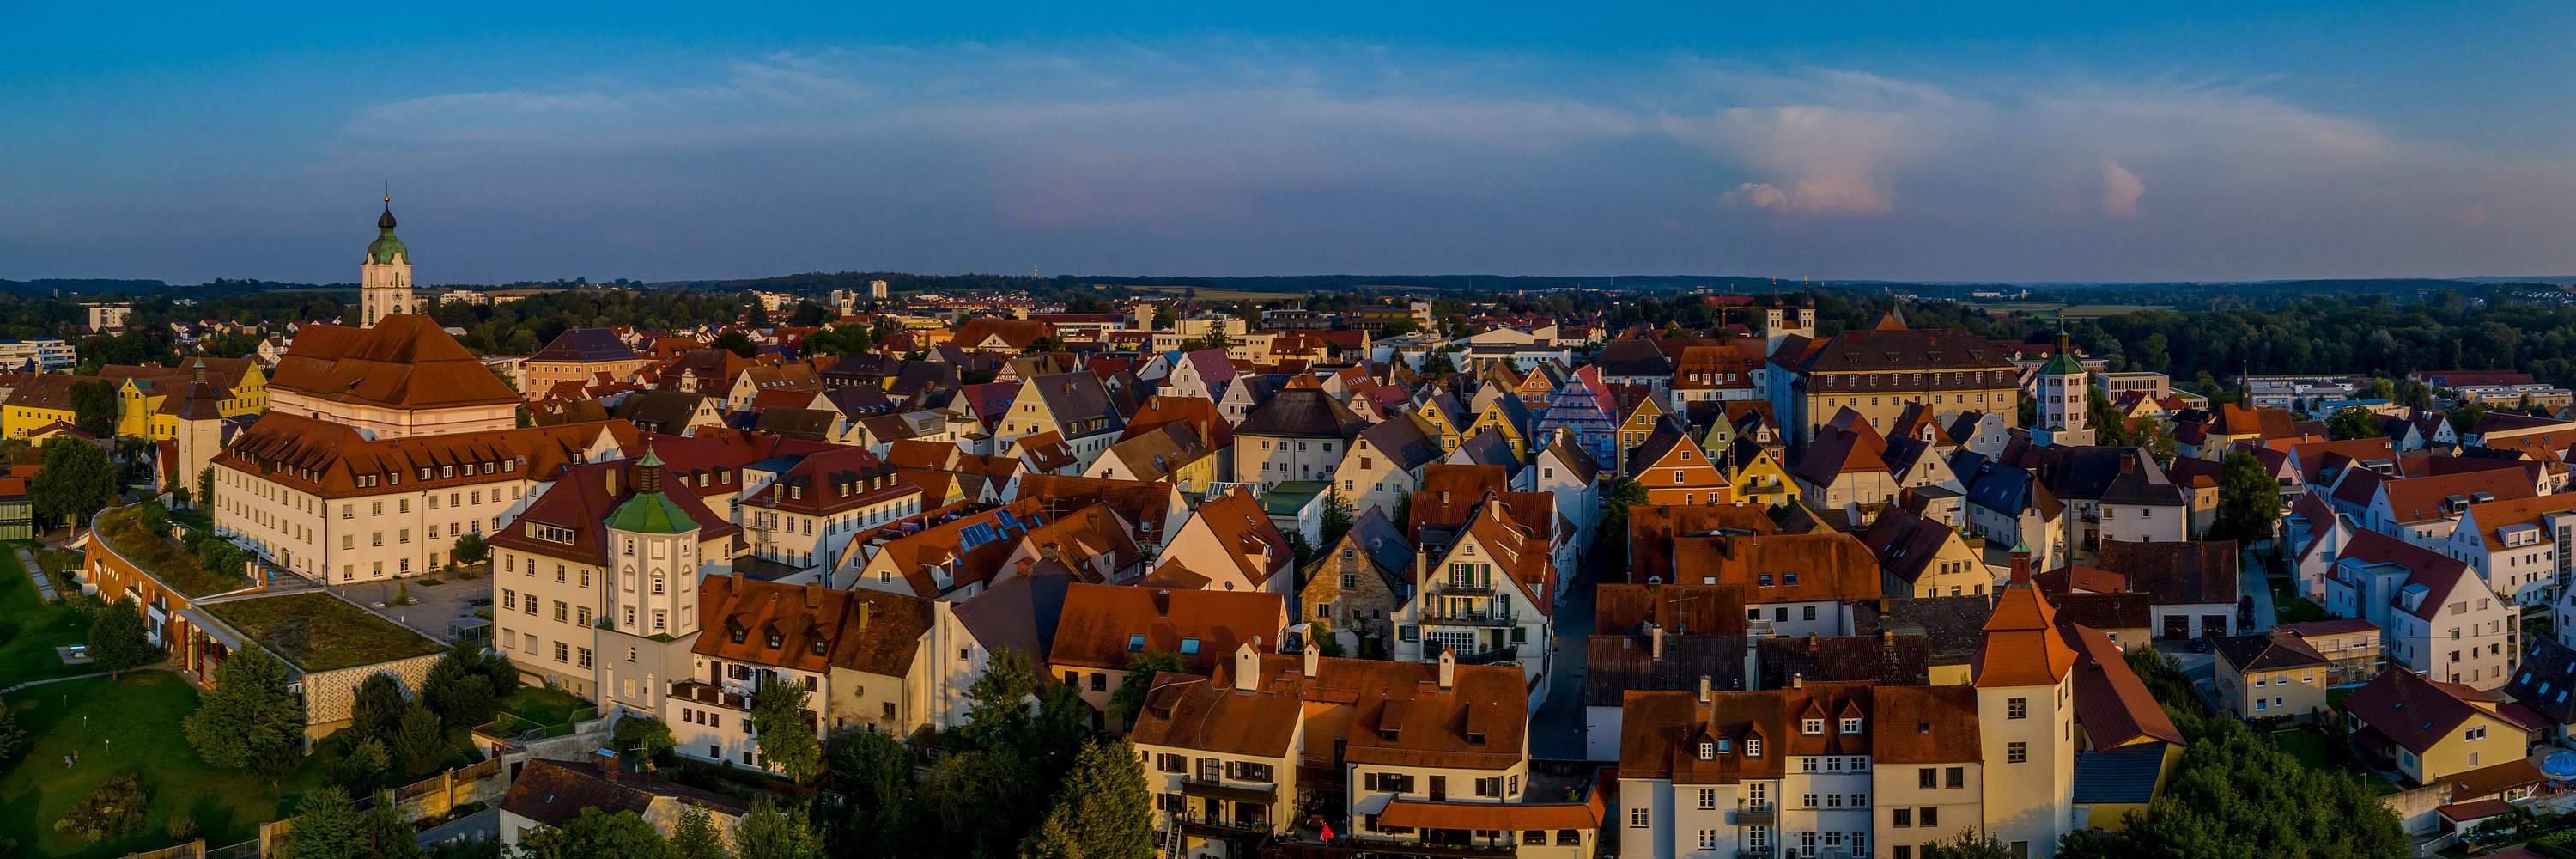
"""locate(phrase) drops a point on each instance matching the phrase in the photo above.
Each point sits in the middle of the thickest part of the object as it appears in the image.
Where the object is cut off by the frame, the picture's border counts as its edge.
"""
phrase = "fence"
(511, 727)
(190, 850)
(244, 850)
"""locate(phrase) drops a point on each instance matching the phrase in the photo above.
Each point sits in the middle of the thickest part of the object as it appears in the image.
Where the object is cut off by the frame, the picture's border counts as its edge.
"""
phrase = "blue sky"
(1888, 141)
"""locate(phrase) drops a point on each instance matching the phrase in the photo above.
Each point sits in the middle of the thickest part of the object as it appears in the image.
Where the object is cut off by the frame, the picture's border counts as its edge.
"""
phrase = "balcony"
(1267, 794)
(1472, 618)
(1465, 590)
(1424, 848)
(1496, 656)
(704, 692)
(1763, 817)
(1218, 826)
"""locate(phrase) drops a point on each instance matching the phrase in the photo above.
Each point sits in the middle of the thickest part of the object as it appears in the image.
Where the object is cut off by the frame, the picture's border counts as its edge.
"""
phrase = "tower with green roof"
(384, 281)
(2062, 390)
(653, 559)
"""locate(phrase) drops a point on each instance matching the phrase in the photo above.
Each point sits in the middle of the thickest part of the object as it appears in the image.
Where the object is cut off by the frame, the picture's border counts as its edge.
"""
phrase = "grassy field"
(2046, 309)
(2311, 748)
(319, 632)
(542, 706)
(30, 629)
(128, 725)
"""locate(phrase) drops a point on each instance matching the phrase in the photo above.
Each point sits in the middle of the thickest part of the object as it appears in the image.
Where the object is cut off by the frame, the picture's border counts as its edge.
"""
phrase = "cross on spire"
(389, 195)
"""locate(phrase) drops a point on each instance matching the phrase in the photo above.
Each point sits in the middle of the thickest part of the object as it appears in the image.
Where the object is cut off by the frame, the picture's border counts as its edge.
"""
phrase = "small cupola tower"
(384, 281)
(2062, 389)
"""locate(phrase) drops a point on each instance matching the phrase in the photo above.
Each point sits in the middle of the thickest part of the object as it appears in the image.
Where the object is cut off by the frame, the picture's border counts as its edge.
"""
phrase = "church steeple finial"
(386, 221)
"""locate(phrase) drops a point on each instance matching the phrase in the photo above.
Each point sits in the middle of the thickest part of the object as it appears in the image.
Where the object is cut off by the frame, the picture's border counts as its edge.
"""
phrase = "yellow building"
(1754, 476)
(37, 402)
(148, 396)
(1877, 371)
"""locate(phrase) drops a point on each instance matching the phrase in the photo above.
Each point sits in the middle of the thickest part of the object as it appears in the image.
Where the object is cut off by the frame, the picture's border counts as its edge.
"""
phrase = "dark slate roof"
(1020, 613)
(1490, 447)
(1887, 660)
(920, 375)
(1578, 462)
(1303, 413)
(1615, 664)
(586, 345)
(2125, 775)
(1993, 485)
(1952, 627)
(2105, 611)
(1634, 357)
(1384, 542)
(2544, 680)
(2187, 573)
(1400, 439)
(2079, 472)
(870, 364)
(2268, 652)
(552, 792)
(861, 400)
(659, 410)
(1076, 396)
(807, 424)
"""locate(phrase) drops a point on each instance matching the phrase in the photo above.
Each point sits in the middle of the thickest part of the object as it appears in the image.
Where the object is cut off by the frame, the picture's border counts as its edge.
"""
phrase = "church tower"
(384, 282)
(2024, 677)
(2062, 390)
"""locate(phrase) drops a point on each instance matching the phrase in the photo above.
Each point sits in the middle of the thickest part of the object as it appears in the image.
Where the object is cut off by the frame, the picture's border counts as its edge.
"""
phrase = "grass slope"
(30, 629)
(131, 725)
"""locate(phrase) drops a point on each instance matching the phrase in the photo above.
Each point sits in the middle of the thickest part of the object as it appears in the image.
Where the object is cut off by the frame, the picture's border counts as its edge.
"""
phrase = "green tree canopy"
(94, 406)
(248, 721)
(881, 812)
(470, 549)
(459, 689)
(116, 638)
(736, 342)
(1141, 668)
(695, 836)
(648, 738)
(420, 743)
(2235, 795)
(76, 483)
(2249, 500)
(1103, 810)
(2354, 422)
(779, 721)
(596, 834)
(377, 708)
(774, 831)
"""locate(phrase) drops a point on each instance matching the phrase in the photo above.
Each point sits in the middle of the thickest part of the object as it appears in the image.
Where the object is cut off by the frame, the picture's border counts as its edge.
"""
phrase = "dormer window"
(1707, 750)
(1851, 726)
(1474, 739)
(1811, 727)
(1753, 747)
(818, 645)
(739, 634)
(776, 639)
(1135, 643)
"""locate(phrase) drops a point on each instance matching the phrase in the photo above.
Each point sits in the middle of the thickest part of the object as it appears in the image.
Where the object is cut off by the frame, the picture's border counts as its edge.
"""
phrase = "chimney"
(2128, 463)
(1448, 669)
(1797, 681)
(867, 612)
(1312, 660)
(612, 472)
(813, 595)
(1162, 603)
(1658, 633)
(2021, 567)
(1247, 667)
(1025, 564)
(1444, 496)
(1752, 663)
(1703, 688)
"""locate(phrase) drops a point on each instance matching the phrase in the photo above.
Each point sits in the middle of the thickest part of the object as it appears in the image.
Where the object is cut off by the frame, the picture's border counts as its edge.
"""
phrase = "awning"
(1492, 816)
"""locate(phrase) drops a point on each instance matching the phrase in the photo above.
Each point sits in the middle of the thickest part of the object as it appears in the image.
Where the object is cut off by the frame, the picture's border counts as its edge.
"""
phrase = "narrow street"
(1556, 731)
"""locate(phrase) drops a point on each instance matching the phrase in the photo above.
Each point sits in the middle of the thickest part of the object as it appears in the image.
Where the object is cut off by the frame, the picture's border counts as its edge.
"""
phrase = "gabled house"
(2272, 675)
(1675, 470)
(2440, 620)
(1231, 541)
(1485, 599)
(1356, 584)
(1385, 464)
(1925, 557)
(1300, 434)
(2431, 731)
(2518, 546)
(1104, 628)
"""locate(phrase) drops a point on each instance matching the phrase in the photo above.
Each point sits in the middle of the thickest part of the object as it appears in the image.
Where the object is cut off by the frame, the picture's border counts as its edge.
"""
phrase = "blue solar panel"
(977, 534)
(1008, 521)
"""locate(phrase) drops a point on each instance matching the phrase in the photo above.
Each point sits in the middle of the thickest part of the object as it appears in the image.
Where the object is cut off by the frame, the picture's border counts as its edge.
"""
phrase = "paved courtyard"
(434, 606)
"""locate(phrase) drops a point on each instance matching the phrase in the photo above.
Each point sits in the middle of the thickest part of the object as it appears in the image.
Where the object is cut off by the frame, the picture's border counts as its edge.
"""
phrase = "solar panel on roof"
(977, 534)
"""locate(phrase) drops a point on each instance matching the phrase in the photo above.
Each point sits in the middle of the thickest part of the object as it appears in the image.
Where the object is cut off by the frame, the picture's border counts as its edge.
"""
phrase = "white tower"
(2063, 411)
(2024, 677)
(1780, 319)
(384, 281)
(656, 567)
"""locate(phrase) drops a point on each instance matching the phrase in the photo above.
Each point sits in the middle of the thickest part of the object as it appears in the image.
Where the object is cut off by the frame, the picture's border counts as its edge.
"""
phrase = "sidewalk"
(44, 583)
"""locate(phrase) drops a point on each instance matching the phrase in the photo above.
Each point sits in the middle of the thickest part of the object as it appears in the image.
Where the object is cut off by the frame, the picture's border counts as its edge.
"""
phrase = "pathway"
(44, 583)
(161, 667)
(1557, 729)
(479, 826)
(2254, 579)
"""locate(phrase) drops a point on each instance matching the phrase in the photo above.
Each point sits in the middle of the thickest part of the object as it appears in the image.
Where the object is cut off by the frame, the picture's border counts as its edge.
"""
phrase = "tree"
(695, 836)
(328, 825)
(1045, 343)
(12, 740)
(647, 737)
(94, 407)
(206, 487)
(736, 342)
(154, 519)
(2249, 500)
(377, 708)
(880, 812)
(773, 831)
(116, 639)
(458, 690)
(1102, 811)
(809, 315)
(1141, 668)
(997, 707)
(76, 482)
(1336, 519)
(2354, 422)
(420, 743)
(1967, 845)
(2234, 788)
(786, 738)
(596, 833)
(358, 764)
(2465, 417)
(248, 721)
(1398, 328)
(1163, 317)
(1625, 492)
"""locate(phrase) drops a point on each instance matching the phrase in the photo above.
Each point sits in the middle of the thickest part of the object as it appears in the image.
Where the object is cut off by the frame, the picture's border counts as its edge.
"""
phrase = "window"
(1927, 816)
(1708, 839)
(2016, 708)
(1753, 747)
(563, 652)
(1638, 818)
(1901, 818)
(1926, 778)
(1811, 727)
(1708, 798)
(2016, 753)
(1851, 726)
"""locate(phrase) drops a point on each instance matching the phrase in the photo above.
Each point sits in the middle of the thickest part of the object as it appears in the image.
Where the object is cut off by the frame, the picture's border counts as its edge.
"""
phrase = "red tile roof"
(1099, 621)
(2023, 645)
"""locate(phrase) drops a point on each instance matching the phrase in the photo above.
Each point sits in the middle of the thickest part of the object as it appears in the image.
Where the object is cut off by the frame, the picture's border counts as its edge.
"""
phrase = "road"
(1556, 732)
(2253, 579)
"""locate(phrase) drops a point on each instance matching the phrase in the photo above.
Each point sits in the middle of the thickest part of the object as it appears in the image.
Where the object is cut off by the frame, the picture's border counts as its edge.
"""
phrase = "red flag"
(1328, 831)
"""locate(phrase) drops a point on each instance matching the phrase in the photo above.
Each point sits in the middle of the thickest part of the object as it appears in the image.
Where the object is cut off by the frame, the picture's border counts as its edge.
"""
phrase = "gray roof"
(1020, 612)
(2544, 680)
(2121, 776)
(1615, 664)
(1952, 627)
(1383, 540)
(1302, 413)
(1076, 396)
(1490, 447)
(1634, 357)
(807, 424)
(1400, 439)
(586, 345)
(660, 411)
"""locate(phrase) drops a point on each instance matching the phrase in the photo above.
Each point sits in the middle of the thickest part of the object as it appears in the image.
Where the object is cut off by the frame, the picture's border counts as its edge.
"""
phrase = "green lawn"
(30, 629)
(544, 706)
(128, 725)
(2289, 607)
(164, 558)
(2315, 749)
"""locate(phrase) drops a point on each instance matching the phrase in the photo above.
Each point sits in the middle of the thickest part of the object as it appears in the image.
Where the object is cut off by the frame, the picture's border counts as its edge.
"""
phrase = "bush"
(114, 809)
